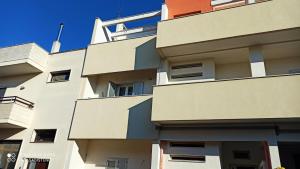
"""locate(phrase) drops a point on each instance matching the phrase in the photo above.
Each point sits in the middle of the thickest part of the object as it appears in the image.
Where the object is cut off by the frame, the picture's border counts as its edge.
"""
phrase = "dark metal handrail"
(16, 99)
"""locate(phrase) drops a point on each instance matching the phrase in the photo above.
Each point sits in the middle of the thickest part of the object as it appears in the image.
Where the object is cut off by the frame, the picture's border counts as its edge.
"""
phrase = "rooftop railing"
(16, 99)
(102, 33)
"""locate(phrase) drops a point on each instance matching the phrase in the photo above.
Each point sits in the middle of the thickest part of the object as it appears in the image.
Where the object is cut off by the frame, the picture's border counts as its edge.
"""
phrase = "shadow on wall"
(139, 121)
(6, 133)
(146, 55)
(15, 81)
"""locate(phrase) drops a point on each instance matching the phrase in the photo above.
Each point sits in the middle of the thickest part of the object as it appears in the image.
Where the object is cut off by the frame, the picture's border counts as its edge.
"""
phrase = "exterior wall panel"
(247, 99)
(113, 118)
(126, 55)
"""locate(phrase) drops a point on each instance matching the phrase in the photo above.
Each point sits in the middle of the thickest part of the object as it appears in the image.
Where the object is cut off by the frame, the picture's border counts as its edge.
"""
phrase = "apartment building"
(213, 84)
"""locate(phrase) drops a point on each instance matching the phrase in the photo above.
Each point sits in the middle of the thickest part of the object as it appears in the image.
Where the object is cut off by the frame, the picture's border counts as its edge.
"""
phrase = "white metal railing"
(102, 33)
(132, 18)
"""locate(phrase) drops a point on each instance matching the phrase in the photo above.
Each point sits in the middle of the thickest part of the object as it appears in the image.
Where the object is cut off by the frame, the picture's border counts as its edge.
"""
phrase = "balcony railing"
(16, 99)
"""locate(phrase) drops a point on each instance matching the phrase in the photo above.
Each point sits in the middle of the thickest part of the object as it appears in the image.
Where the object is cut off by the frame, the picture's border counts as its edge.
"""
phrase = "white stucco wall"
(54, 105)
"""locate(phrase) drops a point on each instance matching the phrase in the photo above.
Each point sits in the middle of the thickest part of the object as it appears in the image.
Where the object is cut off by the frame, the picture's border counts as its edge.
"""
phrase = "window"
(188, 158)
(241, 155)
(41, 136)
(125, 90)
(117, 163)
(130, 89)
(37, 164)
(187, 144)
(60, 76)
(186, 71)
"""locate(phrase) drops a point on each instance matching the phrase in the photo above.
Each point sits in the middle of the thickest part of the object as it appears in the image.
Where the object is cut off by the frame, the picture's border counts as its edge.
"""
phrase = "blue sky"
(24, 21)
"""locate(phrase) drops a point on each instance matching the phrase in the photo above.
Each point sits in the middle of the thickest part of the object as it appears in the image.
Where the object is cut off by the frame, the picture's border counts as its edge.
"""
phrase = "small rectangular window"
(188, 158)
(41, 136)
(189, 71)
(187, 144)
(60, 76)
(187, 66)
(241, 155)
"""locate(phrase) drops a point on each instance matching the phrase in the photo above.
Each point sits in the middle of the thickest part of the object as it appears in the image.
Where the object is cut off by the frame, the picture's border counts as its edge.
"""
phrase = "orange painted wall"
(182, 7)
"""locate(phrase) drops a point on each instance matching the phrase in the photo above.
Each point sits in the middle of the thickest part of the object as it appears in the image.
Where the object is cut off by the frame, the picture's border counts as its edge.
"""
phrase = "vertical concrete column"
(164, 12)
(274, 153)
(99, 35)
(162, 73)
(155, 158)
(214, 161)
(120, 27)
(257, 62)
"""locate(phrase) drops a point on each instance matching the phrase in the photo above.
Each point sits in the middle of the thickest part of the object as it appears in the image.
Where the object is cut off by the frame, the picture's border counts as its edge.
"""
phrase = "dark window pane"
(60, 76)
(241, 154)
(122, 91)
(45, 135)
(188, 158)
(130, 90)
(187, 144)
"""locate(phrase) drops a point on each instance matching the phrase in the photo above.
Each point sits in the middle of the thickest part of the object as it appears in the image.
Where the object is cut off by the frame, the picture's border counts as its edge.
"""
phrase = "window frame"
(35, 134)
(60, 72)
(174, 68)
(127, 86)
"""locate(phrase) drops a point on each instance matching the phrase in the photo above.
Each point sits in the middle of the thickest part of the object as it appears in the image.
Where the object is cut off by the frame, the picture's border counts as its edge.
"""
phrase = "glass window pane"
(45, 135)
(130, 91)
(122, 91)
(60, 76)
(8, 154)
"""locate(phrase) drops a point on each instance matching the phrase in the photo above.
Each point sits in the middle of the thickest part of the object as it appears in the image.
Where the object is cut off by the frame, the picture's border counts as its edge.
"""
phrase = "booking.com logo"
(11, 157)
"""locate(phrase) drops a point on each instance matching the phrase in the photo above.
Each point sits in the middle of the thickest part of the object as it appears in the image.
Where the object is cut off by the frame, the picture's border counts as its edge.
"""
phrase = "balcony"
(15, 112)
(260, 23)
(113, 118)
(22, 59)
(255, 99)
(119, 56)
